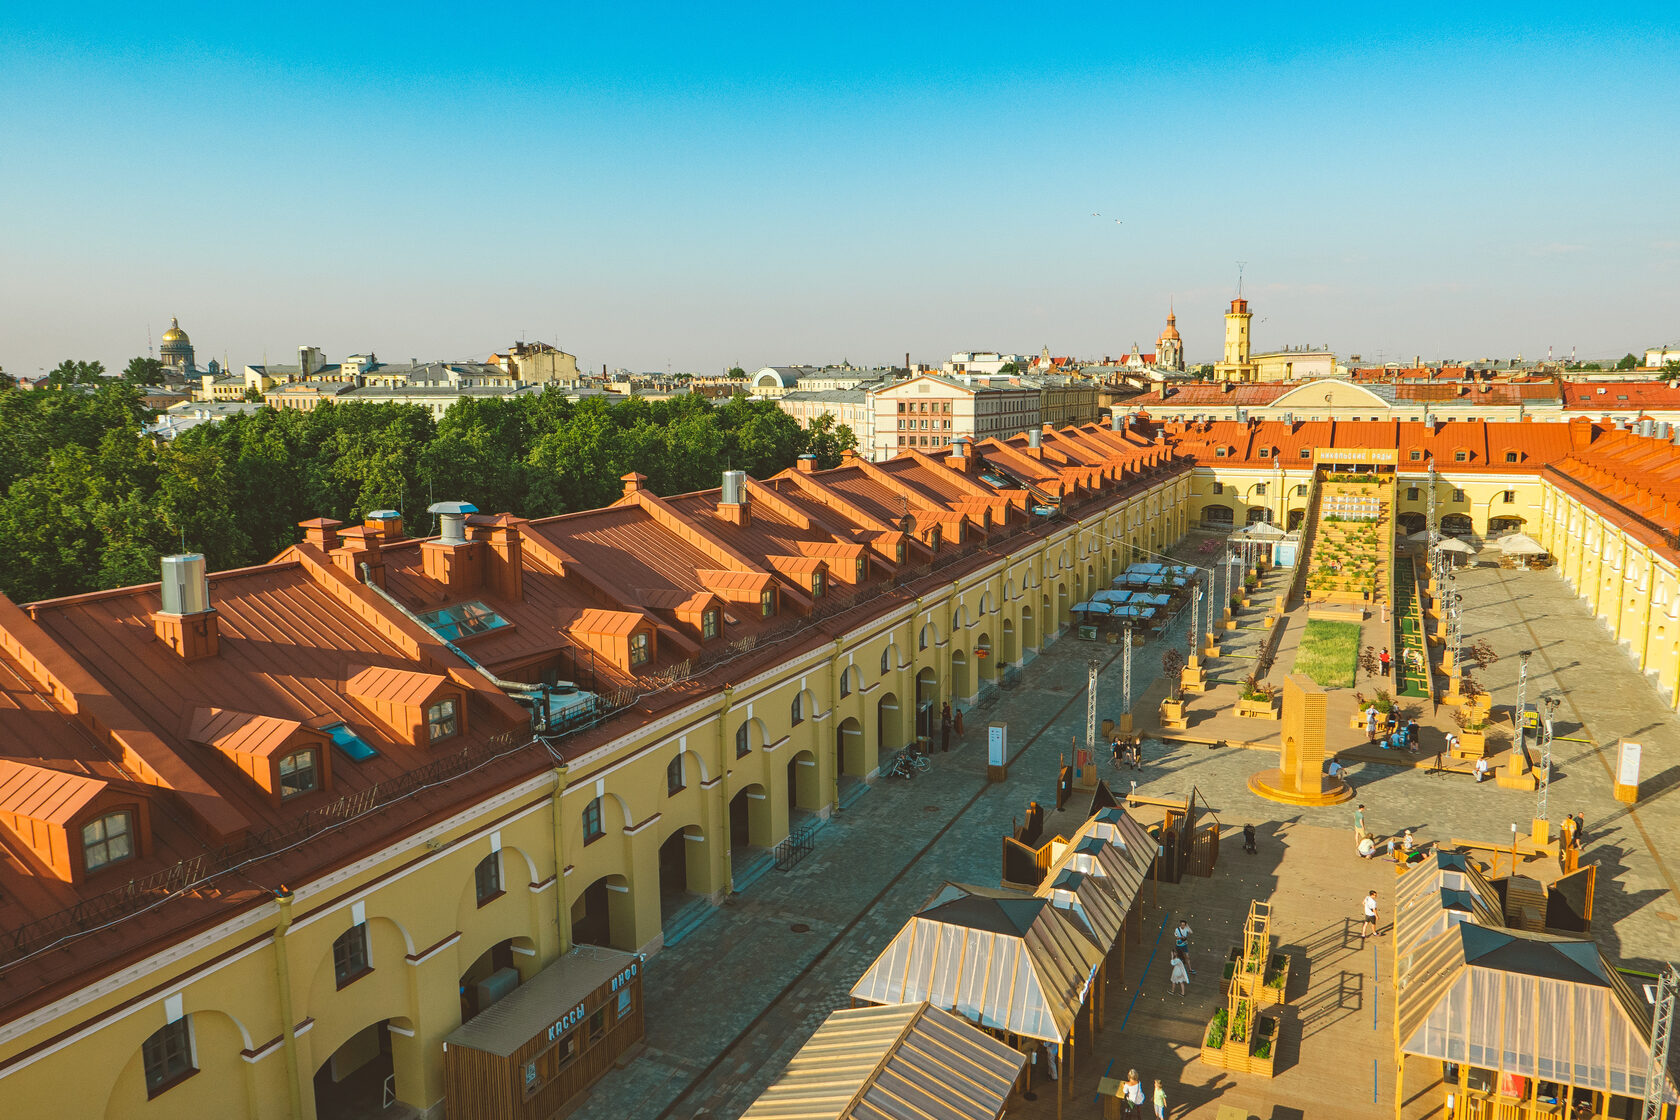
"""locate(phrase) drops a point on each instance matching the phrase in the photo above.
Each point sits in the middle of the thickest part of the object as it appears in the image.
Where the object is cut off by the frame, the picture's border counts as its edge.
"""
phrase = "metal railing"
(796, 846)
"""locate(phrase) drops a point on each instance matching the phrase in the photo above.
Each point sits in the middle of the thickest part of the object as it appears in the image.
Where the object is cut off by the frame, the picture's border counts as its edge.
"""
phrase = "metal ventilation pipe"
(1034, 435)
(452, 520)
(185, 587)
(734, 490)
(1116, 422)
(1663, 429)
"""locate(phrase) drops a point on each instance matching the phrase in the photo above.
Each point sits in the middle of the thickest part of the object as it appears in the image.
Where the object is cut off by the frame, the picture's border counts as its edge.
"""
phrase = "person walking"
(1371, 724)
(1131, 1094)
(1160, 1101)
(945, 730)
(1412, 733)
(1383, 658)
(1181, 941)
(1370, 917)
(956, 716)
(1359, 824)
(1179, 974)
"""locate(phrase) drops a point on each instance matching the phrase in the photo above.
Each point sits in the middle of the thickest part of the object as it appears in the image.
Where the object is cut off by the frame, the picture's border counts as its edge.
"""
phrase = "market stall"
(908, 1059)
(1006, 961)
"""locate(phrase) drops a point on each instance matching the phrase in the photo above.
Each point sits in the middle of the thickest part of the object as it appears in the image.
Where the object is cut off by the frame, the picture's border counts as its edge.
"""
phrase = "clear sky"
(702, 185)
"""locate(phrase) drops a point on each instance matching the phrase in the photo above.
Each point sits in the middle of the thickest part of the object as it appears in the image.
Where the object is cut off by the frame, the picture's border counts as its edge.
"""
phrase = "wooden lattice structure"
(1247, 1042)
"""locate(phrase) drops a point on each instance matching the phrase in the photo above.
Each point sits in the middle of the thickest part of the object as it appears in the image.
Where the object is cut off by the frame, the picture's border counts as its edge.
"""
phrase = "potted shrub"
(1256, 698)
(1172, 708)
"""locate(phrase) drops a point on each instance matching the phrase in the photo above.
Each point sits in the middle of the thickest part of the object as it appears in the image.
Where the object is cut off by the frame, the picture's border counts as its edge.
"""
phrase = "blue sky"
(656, 184)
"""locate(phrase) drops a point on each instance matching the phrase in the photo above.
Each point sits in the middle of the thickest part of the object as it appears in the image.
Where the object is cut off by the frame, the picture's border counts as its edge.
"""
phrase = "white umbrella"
(1453, 544)
(1265, 531)
(1420, 535)
(1521, 544)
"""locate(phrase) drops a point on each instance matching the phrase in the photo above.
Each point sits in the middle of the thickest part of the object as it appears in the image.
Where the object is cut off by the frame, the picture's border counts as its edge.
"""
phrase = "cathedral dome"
(1172, 330)
(175, 333)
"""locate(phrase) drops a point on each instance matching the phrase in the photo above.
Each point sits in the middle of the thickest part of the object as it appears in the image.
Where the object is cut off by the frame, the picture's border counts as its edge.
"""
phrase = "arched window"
(108, 840)
(487, 878)
(1009, 590)
(675, 780)
(743, 740)
(168, 1056)
(592, 828)
(846, 680)
(297, 773)
(886, 660)
(350, 955)
(985, 602)
(922, 638)
(797, 711)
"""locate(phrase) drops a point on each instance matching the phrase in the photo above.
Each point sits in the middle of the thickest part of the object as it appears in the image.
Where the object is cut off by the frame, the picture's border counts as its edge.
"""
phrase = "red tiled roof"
(1619, 396)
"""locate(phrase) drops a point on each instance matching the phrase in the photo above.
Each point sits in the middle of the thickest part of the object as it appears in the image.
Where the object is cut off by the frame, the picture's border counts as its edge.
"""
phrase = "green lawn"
(1329, 653)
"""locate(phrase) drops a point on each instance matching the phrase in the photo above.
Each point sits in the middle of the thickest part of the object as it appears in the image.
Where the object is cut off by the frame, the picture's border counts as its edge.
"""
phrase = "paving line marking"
(1137, 991)
(1569, 698)
(985, 788)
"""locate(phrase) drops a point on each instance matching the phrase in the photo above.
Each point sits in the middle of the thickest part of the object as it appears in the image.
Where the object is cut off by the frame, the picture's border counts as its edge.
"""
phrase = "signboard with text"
(1627, 763)
(997, 744)
(1356, 455)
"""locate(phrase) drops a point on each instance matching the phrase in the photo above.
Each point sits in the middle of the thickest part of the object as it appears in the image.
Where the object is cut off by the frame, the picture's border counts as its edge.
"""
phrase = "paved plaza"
(737, 996)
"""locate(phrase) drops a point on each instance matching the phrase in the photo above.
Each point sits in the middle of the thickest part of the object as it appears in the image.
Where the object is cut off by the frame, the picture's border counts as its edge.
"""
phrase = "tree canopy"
(87, 502)
(1628, 361)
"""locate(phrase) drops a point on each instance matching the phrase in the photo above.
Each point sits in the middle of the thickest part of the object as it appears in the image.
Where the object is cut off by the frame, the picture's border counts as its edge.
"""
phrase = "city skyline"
(661, 186)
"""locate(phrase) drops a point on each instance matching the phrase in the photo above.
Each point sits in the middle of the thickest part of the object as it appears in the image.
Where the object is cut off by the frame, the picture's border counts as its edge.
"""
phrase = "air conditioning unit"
(496, 985)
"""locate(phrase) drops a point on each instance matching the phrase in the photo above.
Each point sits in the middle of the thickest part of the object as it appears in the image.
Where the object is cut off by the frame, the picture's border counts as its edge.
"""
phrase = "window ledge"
(351, 979)
(488, 899)
(588, 840)
(153, 1094)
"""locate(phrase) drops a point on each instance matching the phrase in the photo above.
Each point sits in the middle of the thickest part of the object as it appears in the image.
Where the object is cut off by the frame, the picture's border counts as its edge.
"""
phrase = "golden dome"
(175, 333)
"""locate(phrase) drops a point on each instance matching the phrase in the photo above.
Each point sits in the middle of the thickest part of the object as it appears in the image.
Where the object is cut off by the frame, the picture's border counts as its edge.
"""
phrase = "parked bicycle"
(906, 764)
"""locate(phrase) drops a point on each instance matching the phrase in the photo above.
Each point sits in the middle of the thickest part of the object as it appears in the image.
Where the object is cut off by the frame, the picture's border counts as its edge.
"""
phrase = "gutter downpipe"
(563, 911)
(506, 686)
(288, 1019)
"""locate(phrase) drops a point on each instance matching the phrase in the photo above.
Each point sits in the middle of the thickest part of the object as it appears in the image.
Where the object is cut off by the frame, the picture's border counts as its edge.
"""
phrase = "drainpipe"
(834, 671)
(506, 686)
(288, 1018)
(723, 789)
(563, 912)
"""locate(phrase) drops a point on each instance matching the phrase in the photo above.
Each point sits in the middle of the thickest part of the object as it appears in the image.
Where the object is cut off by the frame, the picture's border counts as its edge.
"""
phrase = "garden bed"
(1329, 653)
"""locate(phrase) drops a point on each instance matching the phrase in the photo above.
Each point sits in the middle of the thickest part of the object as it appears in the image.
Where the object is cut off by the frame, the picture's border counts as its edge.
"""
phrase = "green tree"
(143, 371)
(252, 394)
(72, 372)
(737, 372)
(1628, 361)
(828, 441)
(1009, 368)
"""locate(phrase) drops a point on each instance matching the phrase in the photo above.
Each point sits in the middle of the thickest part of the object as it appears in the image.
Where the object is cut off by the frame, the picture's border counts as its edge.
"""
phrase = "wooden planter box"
(1256, 709)
(1266, 1031)
(1269, 994)
(1172, 715)
(1471, 744)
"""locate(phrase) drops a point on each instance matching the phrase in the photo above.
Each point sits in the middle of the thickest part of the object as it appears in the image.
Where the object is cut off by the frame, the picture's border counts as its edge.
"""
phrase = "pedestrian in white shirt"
(1370, 917)
(1179, 975)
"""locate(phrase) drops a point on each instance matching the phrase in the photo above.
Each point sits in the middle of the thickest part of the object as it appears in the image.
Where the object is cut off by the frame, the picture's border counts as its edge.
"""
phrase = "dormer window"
(1306, 453)
(639, 646)
(903, 549)
(108, 840)
(933, 538)
(1265, 453)
(1510, 456)
(1416, 455)
(298, 774)
(709, 624)
(1219, 453)
(862, 569)
(817, 584)
(767, 602)
(1461, 456)
(441, 719)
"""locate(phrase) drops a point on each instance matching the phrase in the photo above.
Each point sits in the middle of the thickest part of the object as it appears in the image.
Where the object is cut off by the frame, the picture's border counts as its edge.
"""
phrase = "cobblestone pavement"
(731, 1002)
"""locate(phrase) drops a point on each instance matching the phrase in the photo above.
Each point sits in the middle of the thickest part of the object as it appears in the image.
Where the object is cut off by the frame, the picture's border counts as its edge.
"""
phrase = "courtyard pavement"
(729, 1004)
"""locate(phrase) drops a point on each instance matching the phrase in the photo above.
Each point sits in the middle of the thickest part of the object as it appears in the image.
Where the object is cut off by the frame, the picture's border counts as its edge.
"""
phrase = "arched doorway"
(749, 819)
(1029, 632)
(1063, 606)
(1257, 514)
(927, 704)
(1296, 516)
(887, 734)
(682, 863)
(985, 659)
(359, 1078)
(802, 791)
(493, 975)
(1218, 516)
(604, 914)
(959, 676)
(1497, 525)
(1410, 523)
(849, 748)
(1457, 525)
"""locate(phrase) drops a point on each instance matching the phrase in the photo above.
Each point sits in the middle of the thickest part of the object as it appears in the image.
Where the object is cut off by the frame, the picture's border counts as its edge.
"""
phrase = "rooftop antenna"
(149, 354)
(1240, 266)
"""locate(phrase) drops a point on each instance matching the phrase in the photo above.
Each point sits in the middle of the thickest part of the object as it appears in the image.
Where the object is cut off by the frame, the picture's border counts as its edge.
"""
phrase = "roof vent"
(1034, 435)
(1663, 429)
(1117, 421)
(734, 488)
(186, 589)
(452, 518)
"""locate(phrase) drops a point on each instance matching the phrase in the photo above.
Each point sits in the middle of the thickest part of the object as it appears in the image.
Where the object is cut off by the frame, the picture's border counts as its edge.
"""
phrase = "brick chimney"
(388, 523)
(504, 567)
(807, 464)
(186, 622)
(359, 545)
(319, 531)
(634, 482)
(452, 559)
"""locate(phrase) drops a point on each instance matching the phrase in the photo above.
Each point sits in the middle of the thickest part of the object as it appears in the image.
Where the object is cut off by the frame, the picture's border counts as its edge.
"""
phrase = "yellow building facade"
(268, 1011)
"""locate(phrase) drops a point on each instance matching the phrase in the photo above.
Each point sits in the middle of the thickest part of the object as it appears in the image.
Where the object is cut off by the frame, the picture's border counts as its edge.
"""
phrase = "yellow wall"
(81, 1057)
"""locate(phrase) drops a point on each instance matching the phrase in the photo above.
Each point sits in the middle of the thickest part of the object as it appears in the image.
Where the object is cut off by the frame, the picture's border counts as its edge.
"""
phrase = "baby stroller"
(1248, 840)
